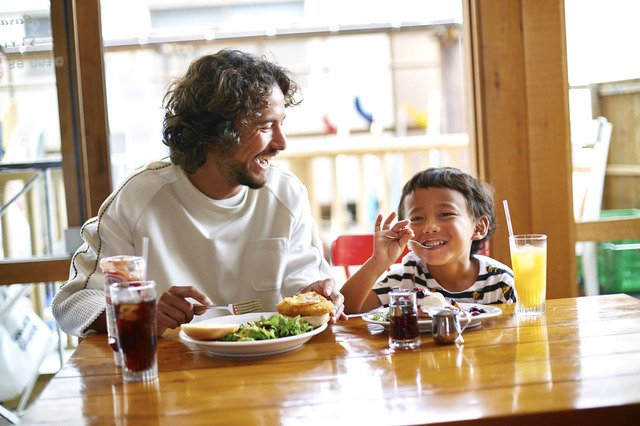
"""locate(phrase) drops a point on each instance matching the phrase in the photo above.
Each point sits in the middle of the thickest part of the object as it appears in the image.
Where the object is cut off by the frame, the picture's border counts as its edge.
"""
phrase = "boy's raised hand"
(357, 290)
(385, 249)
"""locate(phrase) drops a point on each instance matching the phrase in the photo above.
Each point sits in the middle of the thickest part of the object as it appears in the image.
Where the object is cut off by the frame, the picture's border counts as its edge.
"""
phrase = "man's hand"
(173, 308)
(327, 288)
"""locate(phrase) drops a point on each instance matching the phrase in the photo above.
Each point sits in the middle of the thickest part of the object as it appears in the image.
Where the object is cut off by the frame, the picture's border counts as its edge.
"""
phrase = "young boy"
(451, 214)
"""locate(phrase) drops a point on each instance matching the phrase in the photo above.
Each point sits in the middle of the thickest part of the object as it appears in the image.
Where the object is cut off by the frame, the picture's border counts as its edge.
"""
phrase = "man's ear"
(481, 228)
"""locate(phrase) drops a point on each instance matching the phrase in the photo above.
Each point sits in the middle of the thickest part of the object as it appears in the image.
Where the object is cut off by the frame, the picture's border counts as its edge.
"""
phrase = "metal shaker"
(446, 328)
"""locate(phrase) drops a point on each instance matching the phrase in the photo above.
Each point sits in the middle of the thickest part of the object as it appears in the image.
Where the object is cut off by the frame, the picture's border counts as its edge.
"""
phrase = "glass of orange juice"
(529, 261)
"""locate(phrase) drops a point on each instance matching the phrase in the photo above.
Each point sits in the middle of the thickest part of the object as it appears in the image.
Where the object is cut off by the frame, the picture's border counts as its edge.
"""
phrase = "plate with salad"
(477, 312)
(259, 334)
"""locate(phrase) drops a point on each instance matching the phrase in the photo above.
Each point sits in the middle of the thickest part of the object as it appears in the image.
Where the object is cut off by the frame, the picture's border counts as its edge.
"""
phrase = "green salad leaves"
(269, 328)
(381, 316)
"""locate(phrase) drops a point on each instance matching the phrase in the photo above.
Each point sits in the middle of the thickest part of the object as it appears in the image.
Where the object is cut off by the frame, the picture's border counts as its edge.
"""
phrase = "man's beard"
(239, 173)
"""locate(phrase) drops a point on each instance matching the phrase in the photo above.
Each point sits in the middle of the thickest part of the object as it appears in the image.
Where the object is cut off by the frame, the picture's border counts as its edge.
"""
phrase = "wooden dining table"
(577, 364)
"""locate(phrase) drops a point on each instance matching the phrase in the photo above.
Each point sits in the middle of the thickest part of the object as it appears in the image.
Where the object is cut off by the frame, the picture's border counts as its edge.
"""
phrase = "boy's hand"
(386, 250)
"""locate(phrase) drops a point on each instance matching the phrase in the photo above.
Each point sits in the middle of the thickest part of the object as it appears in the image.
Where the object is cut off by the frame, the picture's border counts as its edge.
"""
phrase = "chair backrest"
(354, 250)
(589, 155)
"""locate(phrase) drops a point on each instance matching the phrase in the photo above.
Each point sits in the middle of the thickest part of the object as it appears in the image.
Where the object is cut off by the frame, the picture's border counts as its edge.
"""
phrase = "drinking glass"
(529, 260)
(404, 332)
(134, 304)
(119, 269)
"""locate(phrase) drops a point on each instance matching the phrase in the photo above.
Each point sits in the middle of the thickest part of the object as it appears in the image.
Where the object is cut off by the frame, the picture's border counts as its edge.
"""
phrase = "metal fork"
(411, 241)
(234, 308)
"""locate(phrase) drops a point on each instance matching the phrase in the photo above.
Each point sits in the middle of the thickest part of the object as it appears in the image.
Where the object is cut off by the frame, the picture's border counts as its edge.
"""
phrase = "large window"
(604, 76)
(33, 214)
(382, 83)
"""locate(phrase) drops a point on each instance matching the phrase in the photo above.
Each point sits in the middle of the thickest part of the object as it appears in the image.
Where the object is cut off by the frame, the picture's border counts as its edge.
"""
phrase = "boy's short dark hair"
(479, 195)
(219, 92)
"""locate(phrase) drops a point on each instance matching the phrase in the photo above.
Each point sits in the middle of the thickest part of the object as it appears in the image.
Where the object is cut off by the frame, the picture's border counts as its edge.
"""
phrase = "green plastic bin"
(619, 261)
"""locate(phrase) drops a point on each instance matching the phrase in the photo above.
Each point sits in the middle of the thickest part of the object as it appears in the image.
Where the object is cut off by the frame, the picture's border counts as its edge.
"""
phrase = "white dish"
(252, 348)
(425, 324)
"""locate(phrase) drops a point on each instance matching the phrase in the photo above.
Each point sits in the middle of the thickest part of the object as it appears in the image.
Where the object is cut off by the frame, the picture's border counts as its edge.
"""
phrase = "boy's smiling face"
(442, 221)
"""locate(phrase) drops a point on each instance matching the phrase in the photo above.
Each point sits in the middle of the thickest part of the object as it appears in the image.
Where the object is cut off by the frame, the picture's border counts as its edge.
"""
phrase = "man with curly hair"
(224, 224)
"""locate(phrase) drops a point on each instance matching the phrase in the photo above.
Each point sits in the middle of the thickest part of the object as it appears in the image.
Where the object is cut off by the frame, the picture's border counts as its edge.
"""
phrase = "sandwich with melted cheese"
(311, 306)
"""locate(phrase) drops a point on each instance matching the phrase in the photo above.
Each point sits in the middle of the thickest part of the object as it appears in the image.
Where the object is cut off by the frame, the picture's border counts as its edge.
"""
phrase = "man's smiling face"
(260, 141)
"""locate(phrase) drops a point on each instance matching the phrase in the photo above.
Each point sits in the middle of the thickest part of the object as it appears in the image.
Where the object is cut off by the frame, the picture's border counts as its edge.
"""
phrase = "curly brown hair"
(219, 92)
(479, 195)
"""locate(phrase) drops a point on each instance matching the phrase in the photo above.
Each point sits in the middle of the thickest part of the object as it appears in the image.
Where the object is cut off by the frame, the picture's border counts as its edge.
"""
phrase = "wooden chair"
(354, 250)
(589, 156)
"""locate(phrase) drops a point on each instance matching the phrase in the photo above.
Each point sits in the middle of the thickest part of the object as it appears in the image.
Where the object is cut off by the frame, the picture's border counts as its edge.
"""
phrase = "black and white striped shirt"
(493, 285)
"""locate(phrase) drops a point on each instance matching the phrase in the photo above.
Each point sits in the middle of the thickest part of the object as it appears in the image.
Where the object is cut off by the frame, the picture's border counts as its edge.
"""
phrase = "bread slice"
(209, 331)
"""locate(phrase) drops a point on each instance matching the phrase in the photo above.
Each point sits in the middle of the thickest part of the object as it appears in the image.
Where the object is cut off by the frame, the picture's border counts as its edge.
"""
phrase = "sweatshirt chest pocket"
(267, 262)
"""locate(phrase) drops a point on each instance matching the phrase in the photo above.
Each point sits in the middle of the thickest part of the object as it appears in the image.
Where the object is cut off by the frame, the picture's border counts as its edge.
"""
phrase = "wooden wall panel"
(94, 103)
(35, 270)
(521, 106)
(608, 230)
(620, 103)
(62, 19)
(549, 139)
(83, 109)
(501, 114)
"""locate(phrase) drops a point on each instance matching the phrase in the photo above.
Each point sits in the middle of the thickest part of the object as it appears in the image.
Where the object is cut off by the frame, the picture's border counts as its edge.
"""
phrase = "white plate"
(252, 348)
(425, 324)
